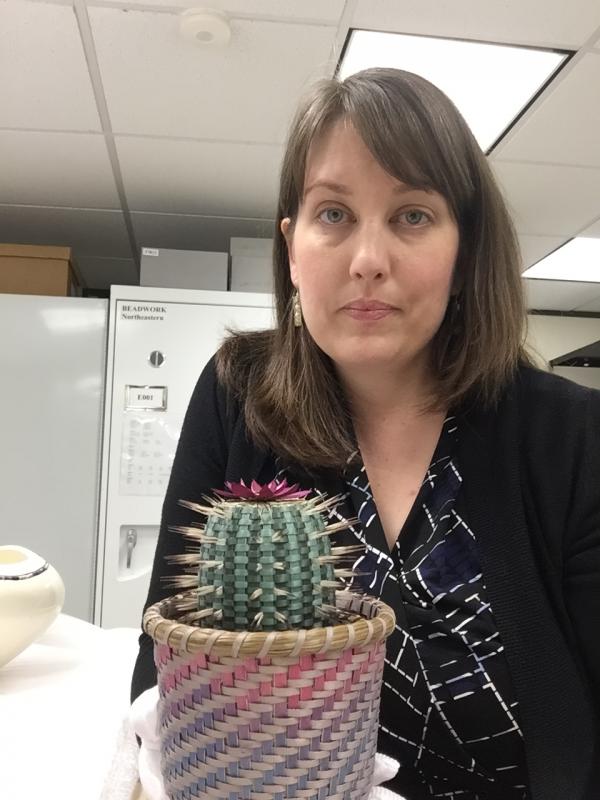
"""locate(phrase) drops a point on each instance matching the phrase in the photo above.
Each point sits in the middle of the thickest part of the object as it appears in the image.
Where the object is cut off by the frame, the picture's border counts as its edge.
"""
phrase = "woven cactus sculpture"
(263, 561)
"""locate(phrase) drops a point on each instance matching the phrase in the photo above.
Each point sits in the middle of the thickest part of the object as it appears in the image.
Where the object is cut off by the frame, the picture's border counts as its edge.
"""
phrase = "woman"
(397, 377)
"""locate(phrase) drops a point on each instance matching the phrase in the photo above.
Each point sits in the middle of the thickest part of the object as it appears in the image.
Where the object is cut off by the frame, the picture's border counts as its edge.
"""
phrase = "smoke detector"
(205, 26)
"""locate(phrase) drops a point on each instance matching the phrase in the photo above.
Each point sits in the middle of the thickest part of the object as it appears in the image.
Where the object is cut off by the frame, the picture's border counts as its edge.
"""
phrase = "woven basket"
(270, 716)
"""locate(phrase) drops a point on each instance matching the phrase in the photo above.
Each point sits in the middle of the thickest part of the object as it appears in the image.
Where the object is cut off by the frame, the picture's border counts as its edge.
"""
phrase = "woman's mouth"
(368, 309)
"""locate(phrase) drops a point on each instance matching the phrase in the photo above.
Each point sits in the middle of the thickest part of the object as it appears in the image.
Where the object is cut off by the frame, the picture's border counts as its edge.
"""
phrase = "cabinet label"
(152, 398)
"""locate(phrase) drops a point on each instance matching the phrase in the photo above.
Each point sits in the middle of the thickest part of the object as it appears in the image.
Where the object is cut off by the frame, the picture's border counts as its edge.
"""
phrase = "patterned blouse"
(448, 712)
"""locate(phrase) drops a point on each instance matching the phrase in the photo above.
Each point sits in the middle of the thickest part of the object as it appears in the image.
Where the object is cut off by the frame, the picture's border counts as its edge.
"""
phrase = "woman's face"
(372, 259)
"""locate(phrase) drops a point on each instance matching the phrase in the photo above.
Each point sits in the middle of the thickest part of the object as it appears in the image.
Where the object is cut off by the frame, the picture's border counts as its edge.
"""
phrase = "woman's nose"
(370, 256)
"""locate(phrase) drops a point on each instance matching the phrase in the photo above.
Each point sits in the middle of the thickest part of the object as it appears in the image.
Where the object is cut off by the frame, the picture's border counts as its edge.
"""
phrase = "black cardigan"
(532, 493)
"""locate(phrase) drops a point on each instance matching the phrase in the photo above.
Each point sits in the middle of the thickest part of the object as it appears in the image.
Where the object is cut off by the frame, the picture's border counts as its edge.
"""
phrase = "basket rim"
(183, 638)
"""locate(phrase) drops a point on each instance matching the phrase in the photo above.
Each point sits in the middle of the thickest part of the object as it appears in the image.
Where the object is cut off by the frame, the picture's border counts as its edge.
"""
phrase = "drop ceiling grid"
(191, 180)
(158, 84)
(540, 23)
(43, 69)
(564, 127)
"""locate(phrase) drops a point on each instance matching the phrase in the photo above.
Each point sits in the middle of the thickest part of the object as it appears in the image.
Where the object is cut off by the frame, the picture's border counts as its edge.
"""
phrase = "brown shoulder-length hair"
(293, 401)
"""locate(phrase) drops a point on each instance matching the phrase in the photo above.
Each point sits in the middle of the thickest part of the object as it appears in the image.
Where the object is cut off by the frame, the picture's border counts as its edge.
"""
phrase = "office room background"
(140, 145)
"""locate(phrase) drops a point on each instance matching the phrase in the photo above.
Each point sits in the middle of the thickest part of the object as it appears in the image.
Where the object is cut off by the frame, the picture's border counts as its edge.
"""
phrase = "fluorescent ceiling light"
(577, 260)
(489, 83)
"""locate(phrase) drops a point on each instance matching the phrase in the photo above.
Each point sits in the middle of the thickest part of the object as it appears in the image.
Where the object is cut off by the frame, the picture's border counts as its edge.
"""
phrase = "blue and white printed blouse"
(448, 712)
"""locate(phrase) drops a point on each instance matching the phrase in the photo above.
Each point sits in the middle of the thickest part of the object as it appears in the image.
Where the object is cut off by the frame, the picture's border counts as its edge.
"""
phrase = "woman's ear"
(286, 231)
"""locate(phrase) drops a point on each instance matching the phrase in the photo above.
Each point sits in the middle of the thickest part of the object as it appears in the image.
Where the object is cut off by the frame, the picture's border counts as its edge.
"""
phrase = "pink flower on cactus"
(275, 490)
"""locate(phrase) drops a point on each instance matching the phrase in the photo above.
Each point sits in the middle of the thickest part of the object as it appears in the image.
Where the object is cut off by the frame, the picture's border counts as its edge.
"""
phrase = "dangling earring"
(297, 310)
(456, 304)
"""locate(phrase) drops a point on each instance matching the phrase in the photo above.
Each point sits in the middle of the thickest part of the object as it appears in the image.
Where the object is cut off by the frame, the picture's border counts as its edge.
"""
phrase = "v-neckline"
(360, 492)
(385, 564)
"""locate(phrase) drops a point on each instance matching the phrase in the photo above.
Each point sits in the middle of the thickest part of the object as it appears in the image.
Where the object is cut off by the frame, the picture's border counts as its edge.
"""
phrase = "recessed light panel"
(577, 260)
(489, 83)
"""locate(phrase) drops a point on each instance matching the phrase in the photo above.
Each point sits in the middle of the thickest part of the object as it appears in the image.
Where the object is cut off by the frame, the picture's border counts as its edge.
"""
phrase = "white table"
(64, 704)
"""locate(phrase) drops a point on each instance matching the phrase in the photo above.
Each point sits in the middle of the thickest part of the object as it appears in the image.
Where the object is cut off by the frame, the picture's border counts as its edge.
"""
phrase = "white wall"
(552, 336)
(588, 376)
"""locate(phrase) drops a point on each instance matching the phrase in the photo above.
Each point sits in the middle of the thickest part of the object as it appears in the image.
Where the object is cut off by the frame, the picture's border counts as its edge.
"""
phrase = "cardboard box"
(183, 269)
(251, 264)
(35, 269)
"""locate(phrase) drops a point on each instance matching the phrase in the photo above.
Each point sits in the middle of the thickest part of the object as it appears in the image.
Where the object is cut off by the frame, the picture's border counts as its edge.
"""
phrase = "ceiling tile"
(564, 128)
(536, 22)
(43, 69)
(591, 305)
(196, 233)
(97, 233)
(534, 248)
(160, 84)
(56, 169)
(102, 273)
(277, 9)
(222, 179)
(549, 200)
(558, 295)
(593, 230)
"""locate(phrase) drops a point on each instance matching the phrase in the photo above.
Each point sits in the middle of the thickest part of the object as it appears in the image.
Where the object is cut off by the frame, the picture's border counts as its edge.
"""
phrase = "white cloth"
(384, 770)
(144, 720)
(122, 776)
(64, 703)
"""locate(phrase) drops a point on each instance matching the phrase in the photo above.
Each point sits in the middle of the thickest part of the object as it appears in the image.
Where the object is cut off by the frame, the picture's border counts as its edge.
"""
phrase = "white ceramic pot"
(31, 596)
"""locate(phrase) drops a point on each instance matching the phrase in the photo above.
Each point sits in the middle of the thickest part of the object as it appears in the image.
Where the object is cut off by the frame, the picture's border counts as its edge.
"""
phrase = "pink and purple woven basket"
(270, 716)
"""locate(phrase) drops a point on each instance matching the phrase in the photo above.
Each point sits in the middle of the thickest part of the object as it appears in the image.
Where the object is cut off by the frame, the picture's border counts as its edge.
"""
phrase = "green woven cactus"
(264, 560)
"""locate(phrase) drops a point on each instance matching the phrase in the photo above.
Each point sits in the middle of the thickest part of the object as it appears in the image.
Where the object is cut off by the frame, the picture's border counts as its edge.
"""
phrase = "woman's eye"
(414, 217)
(332, 216)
